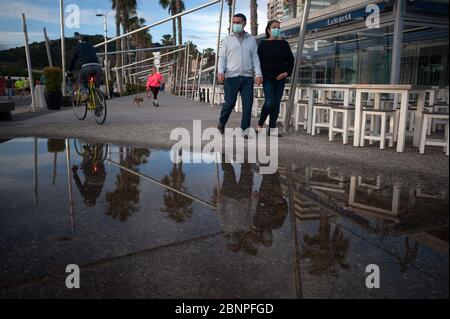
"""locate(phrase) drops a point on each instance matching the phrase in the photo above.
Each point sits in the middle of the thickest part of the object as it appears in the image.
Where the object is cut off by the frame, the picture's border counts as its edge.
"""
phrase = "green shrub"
(56, 145)
(54, 79)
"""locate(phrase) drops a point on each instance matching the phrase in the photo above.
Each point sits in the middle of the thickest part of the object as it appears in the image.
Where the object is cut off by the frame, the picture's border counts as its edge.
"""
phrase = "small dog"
(138, 100)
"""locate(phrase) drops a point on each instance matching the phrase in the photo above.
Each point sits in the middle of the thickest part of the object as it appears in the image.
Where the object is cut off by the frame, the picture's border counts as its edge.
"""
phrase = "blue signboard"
(340, 19)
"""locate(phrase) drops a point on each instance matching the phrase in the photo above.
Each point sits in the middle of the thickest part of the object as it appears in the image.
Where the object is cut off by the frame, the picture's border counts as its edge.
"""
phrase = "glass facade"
(350, 52)
(358, 57)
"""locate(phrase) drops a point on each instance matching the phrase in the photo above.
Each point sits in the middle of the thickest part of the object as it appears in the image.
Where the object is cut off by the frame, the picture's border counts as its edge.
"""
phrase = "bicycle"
(98, 152)
(96, 102)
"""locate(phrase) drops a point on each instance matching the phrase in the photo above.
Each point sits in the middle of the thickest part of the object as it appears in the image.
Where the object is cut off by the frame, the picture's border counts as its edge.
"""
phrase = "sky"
(200, 27)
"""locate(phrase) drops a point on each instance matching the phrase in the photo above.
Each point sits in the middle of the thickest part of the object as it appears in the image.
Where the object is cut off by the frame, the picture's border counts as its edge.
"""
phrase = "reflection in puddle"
(140, 226)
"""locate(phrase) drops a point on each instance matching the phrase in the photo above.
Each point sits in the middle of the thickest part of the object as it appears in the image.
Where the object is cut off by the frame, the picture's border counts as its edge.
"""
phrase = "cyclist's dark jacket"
(84, 53)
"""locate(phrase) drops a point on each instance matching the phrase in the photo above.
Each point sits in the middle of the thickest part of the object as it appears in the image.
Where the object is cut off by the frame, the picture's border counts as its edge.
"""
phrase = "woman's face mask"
(238, 28)
(276, 32)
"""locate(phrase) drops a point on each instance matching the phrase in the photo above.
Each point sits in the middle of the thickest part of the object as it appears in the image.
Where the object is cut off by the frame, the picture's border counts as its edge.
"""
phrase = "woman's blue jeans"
(273, 93)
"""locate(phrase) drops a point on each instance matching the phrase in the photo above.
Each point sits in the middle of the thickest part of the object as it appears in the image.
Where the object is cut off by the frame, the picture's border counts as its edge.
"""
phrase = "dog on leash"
(138, 100)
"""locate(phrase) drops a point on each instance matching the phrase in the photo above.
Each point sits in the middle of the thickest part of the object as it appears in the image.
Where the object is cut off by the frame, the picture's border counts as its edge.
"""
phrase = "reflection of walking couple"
(247, 217)
(242, 63)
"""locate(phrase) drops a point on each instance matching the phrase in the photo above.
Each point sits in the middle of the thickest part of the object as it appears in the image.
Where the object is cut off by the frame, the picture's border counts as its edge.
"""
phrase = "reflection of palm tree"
(176, 205)
(326, 249)
(124, 200)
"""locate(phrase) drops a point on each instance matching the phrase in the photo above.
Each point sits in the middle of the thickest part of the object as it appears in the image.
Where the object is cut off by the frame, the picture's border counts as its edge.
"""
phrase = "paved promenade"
(151, 127)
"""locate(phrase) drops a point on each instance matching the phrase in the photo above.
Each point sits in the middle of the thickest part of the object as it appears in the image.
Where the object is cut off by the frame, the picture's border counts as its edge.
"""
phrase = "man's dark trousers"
(232, 87)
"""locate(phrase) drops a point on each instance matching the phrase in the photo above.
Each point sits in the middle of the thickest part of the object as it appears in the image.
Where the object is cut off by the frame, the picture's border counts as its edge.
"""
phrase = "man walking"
(238, 65)
(9, 88)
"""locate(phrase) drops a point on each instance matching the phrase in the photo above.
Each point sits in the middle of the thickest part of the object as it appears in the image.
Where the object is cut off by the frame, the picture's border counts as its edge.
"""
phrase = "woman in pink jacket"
(154, 82)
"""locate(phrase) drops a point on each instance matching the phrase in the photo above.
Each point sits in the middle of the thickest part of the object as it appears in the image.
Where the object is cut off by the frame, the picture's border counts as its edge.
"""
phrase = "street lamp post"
(63, 48)
(105, 26)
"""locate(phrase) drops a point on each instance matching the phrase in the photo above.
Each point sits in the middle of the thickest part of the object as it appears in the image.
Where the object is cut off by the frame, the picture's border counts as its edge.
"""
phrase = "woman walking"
(154, 82)
(277, 62)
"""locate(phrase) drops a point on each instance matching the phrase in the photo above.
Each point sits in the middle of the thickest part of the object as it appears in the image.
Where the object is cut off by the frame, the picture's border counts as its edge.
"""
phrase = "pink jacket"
(154, 80)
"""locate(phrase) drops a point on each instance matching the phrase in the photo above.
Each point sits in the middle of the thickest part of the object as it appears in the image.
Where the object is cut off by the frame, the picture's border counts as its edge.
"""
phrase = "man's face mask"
(237, 28)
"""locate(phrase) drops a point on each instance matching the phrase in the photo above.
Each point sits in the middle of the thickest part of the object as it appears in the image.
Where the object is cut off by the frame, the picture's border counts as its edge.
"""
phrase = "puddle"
(140, 226)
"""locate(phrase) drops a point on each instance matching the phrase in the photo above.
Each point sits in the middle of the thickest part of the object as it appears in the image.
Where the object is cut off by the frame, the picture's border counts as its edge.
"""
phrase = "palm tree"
(166, 40)
(254, 17)
(209, 56)
(180, 8)
(128, 10)
(139, 40)
(171, 5)
(230, 12)
(118, 5)
(124, 200)
(178, 207)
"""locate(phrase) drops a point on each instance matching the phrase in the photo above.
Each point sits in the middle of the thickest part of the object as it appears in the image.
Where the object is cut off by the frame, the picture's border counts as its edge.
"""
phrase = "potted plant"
(53, 94)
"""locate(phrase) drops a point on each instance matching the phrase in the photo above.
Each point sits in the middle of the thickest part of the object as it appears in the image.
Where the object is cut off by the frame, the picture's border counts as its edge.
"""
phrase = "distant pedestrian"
(238, 66)
(9, 88)
(26, 85)
(116, 91)
(277, 62)
(19, 85)
(154, 82)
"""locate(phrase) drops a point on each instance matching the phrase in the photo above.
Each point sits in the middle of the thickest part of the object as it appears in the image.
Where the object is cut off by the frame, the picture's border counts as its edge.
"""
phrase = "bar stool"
(372, 134)
(238, 106)
(439, 108)
(301, 114)
(320, 117)
(347, 114)
(258, 103)
(427, 118)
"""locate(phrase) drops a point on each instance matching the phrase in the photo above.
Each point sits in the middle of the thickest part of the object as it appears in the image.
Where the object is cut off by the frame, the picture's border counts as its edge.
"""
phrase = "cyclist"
(94, 174)
(86, 54)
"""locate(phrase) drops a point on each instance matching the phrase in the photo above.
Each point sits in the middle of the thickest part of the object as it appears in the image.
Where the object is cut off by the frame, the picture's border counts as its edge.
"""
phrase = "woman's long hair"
(269, 25)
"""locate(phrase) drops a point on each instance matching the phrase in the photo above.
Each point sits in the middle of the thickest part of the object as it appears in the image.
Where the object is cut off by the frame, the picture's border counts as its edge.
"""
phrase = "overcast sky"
(200, 27)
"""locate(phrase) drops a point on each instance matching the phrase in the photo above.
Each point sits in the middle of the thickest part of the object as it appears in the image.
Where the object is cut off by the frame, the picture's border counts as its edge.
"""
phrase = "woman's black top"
(276, 57)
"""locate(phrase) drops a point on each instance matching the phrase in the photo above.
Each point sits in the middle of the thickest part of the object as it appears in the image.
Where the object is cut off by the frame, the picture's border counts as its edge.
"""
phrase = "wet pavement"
(139, 226)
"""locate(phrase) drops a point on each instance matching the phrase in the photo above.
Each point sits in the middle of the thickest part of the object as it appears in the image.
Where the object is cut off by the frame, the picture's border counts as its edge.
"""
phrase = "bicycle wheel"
(105, 150)
(79, 147)
(99, 113)
(79, 108)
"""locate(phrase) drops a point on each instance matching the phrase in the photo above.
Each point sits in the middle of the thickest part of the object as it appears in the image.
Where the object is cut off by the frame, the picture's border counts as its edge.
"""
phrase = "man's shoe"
(84, 97)
(98, 110)
(221, 128)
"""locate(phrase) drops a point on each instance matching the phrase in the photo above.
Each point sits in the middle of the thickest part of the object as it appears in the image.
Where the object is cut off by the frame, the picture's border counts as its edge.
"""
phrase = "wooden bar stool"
(347, 115)
(382, 134)
(427, 118)
(320, 117)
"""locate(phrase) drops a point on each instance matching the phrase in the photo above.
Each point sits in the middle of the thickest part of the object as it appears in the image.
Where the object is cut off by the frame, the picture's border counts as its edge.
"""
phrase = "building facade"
(352, 41)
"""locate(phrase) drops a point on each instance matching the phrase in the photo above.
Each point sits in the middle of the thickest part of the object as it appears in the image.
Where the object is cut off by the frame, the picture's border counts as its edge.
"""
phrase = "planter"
(53, 99)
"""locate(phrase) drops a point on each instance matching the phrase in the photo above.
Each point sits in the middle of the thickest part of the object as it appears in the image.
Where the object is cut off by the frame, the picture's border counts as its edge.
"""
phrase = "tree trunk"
(174, 27)
(180, 26)
(180, 31)
(254, 17)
